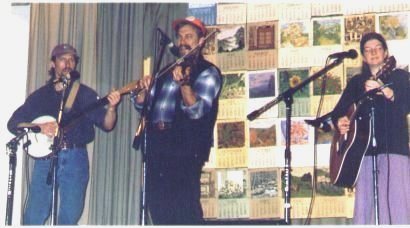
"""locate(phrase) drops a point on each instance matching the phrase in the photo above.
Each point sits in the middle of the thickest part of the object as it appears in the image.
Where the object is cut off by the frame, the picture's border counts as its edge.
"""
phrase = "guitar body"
(347, 151)
(40, 146)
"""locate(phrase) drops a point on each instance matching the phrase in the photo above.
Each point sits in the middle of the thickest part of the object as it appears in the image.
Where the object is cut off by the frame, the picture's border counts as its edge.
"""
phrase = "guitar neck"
(103, 101)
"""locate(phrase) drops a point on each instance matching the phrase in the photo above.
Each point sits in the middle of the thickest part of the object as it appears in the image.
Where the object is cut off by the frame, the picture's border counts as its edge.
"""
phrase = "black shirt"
(391, 128)
(46, 101)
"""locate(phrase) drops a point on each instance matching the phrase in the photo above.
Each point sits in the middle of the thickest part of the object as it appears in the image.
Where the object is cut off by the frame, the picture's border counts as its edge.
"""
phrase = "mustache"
(186, 47)
(69, 69)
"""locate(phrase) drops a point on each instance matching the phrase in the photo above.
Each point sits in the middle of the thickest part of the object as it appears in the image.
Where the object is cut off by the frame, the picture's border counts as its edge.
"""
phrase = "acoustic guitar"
(347, 151)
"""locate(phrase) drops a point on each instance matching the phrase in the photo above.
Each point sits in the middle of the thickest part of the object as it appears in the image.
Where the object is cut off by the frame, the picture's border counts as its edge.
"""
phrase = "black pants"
(173, 186)
(173, 192)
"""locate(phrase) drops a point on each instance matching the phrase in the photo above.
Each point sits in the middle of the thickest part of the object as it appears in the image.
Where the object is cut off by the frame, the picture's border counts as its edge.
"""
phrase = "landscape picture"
(326, 32)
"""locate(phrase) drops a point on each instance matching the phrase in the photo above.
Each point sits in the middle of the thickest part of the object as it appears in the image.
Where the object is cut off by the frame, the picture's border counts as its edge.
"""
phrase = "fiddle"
(188, 59)
(185, 63)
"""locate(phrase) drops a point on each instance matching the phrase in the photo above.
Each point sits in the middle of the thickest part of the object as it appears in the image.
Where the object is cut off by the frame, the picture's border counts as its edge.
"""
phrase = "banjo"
(41, 144)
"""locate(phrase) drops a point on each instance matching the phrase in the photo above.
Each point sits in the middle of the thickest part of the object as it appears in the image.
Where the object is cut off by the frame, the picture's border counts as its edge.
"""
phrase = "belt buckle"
(161, 125)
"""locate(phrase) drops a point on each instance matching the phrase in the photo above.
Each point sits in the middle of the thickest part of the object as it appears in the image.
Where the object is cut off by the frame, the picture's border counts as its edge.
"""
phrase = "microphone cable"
(388, 162)
(314, 176)
(26, 164)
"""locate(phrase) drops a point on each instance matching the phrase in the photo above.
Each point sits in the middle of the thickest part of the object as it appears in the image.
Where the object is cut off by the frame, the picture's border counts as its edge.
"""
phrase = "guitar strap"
(72, 96)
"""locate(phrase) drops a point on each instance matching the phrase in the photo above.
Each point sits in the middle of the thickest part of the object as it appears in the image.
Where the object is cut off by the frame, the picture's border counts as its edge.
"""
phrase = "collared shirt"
(206, 88)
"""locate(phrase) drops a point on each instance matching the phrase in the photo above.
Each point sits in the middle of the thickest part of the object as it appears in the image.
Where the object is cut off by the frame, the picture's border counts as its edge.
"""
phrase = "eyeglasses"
(377, 48)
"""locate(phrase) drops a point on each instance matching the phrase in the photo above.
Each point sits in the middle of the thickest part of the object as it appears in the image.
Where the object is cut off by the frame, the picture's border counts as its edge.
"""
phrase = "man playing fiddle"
(182, 109)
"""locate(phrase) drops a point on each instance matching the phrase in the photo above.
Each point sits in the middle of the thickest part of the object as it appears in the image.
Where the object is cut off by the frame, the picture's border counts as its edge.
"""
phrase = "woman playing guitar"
(389, 106)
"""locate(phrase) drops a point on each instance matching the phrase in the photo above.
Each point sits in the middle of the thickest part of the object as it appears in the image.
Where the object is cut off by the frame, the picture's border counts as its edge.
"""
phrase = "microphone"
(65, 78)
(168, 42)
(35, 129)
(351, 54)
(73, 75)
(324, 122)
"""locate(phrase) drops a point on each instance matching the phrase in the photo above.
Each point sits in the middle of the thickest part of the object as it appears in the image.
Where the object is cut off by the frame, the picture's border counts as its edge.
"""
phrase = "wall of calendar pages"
(263, 49)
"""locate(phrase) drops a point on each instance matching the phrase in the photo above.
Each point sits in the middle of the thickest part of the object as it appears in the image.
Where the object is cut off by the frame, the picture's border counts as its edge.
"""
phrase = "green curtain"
(125, 37)
(51, 24)
(112, 40)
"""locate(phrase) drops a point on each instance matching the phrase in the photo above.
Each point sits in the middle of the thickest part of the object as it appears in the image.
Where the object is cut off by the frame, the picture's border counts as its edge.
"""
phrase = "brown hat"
(189, 20)
(62, 49)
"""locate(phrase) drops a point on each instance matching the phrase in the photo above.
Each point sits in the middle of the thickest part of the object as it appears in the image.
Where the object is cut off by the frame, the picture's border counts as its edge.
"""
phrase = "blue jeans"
(72, 180)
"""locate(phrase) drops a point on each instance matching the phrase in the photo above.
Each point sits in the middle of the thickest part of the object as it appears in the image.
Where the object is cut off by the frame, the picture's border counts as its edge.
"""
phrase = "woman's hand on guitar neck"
(371, 84)
(374, 84)
(343, 124)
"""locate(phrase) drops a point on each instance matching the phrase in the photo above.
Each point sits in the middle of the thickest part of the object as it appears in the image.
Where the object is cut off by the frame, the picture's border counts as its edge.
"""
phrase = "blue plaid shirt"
(206, 88)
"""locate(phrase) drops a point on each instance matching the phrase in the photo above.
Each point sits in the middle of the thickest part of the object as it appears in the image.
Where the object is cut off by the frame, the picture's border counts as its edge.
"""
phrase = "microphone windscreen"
(352, 53)
(74, 74)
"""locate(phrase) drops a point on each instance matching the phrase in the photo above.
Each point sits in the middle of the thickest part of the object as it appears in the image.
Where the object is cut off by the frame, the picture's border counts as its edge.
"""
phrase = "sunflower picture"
(291, 79)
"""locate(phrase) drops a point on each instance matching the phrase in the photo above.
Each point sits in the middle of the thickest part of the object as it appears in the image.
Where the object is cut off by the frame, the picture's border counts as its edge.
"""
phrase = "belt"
(65, 146)
(160, 126)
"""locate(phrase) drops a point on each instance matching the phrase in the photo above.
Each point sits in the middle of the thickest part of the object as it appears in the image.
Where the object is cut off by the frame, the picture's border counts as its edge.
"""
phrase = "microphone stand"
(11, 151)
(374, 164)
(287, 96)
(369, 96)
(55, 147)
(142, 128)
(146, 107)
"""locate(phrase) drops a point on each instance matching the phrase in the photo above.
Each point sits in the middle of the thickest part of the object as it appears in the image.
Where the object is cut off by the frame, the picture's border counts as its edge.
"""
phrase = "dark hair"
(372, 36)
(52, 74)
(365, 38)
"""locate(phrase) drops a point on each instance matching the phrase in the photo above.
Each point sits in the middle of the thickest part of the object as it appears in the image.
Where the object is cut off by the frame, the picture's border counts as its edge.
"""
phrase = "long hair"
(371, 36)
(52, 75)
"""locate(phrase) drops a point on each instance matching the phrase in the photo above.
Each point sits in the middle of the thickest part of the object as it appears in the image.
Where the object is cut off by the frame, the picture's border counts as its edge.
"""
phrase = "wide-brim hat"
(189, 20)
(62, 49)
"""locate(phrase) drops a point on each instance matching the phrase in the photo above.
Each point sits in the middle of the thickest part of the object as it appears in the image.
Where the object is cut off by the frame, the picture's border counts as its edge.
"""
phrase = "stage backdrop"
(263, 50)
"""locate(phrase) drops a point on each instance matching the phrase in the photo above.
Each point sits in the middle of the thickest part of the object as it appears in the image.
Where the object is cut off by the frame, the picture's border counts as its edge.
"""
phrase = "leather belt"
(65, 146)
(160, 126)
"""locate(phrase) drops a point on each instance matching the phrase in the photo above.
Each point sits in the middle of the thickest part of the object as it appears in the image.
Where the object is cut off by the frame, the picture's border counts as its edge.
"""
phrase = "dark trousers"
(173, 192)
(173, 172)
